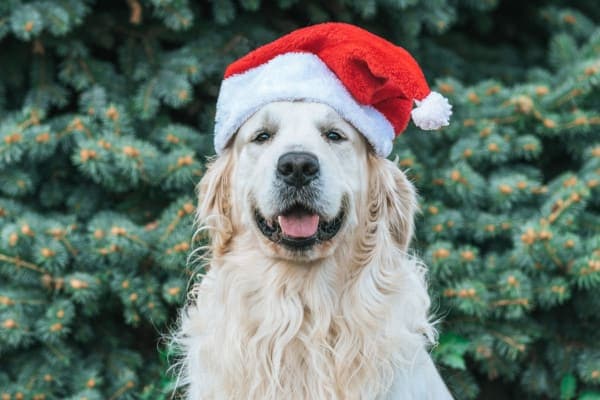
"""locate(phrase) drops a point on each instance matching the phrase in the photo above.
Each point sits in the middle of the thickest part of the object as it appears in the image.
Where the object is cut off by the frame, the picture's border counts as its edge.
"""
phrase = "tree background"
(106, 112)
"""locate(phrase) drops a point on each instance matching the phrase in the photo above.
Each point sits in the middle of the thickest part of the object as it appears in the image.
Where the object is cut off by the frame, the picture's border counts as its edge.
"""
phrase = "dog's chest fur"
(270, 330)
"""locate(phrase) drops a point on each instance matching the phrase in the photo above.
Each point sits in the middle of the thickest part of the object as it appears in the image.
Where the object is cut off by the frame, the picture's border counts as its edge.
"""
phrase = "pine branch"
(17, 262)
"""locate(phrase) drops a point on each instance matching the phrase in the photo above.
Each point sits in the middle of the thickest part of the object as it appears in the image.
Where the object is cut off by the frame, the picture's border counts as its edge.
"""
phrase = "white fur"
(345, 320)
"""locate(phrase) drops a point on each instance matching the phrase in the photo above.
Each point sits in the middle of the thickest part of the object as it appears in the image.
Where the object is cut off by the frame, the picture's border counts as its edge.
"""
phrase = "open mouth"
(299, 227)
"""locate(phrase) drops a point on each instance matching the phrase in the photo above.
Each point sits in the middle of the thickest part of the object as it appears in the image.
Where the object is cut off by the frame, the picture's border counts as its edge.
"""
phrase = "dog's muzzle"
(298, 223)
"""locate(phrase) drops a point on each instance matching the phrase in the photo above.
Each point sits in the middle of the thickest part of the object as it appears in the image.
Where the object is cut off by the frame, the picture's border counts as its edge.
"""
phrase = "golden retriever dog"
(309, 291)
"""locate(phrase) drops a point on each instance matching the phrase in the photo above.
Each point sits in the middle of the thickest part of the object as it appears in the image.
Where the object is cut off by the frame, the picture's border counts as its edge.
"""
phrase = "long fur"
(262, 328)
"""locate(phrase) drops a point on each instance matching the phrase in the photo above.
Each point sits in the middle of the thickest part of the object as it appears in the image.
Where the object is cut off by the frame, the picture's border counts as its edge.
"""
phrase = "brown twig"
(21, 263)
(136, 11)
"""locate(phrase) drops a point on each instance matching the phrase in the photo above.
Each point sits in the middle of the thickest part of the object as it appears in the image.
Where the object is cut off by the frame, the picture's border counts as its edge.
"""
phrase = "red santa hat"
(369, 81)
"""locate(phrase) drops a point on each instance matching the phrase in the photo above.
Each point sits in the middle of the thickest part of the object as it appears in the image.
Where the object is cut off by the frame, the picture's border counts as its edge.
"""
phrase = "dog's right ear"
(392, 200)
(214, 208)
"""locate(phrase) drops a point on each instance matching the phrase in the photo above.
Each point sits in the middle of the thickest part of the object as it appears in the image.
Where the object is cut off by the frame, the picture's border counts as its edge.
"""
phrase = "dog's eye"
(262, 137)
(333, 136)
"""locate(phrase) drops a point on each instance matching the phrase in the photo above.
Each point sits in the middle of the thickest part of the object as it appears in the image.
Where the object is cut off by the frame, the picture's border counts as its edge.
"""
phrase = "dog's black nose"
(297, 168)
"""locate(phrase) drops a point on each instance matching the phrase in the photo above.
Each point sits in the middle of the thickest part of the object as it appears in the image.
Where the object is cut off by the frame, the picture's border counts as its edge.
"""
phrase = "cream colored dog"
(309, 293)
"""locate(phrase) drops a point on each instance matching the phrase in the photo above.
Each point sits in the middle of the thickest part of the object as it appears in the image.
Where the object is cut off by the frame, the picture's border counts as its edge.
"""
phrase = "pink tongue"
(299, 226)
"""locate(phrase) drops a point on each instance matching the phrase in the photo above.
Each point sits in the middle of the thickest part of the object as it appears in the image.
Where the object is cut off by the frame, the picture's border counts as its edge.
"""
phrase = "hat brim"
(293, 77)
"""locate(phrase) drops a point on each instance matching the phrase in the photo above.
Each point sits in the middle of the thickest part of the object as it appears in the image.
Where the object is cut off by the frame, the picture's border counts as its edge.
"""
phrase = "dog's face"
(299, 170)
(298, 180)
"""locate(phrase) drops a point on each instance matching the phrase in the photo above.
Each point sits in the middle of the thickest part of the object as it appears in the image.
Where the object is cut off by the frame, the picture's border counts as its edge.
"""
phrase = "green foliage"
(512, 238)
(568, 387)
(450, 351)
(106, 115)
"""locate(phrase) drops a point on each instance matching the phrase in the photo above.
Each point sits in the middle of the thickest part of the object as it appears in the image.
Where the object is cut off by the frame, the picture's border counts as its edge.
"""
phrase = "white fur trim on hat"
(295, 76)
(432, 112)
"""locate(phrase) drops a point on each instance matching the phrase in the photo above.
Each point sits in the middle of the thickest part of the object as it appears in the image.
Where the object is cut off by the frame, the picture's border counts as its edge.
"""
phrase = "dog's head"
(299, 180)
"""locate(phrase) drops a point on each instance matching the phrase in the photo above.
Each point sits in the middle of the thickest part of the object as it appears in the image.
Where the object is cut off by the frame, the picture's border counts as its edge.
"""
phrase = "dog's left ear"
(214, 207)
(393, 198)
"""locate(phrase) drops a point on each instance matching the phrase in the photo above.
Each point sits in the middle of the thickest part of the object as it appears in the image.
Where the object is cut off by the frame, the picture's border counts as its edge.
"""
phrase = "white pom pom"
(432, 112)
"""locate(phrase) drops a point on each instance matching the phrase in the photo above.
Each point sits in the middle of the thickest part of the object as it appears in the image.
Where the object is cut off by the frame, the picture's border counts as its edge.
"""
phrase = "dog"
(310, 292)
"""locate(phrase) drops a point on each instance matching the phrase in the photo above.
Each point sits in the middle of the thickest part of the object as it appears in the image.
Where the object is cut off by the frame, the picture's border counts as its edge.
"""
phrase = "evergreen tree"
(105, 124)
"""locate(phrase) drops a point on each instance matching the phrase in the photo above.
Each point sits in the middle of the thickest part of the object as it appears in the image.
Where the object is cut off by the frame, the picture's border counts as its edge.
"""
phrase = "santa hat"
(369, 81)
